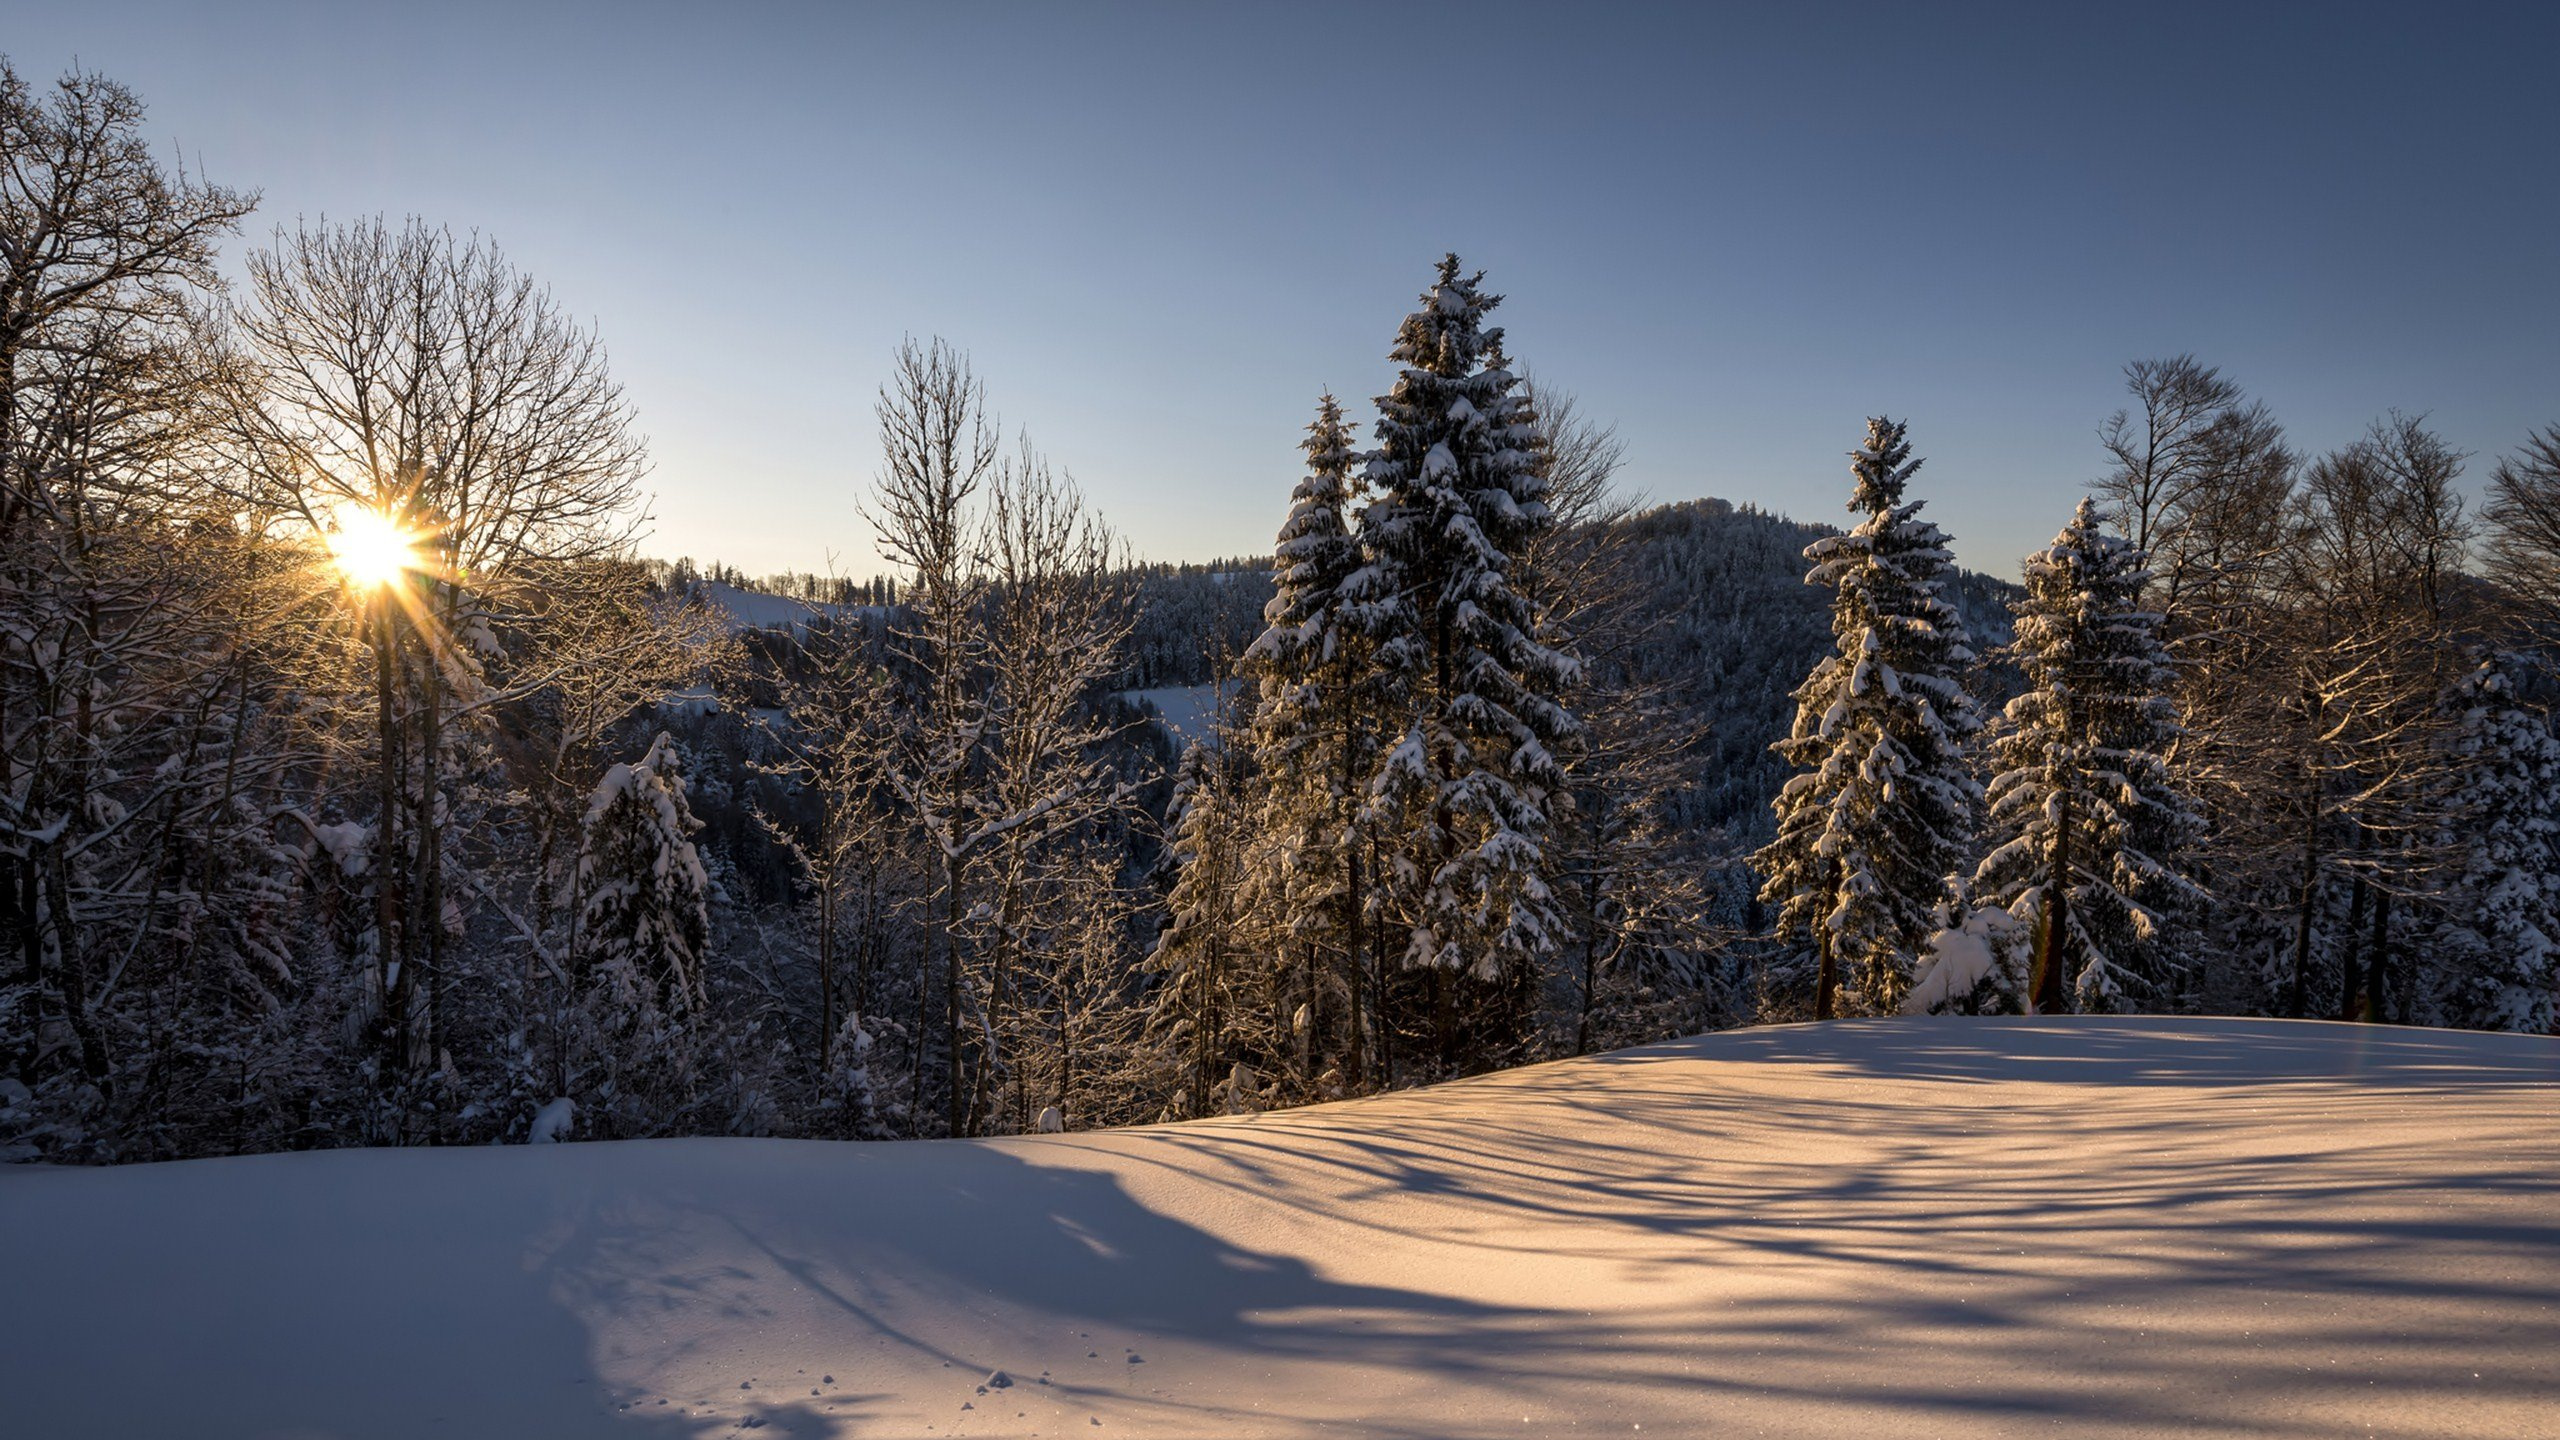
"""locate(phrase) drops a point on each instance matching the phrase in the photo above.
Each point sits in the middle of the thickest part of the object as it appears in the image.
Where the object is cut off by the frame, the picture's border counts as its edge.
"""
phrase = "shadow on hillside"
(2093, 1050)
(953, 1230)
(2120, 1261)
(1638, 1239)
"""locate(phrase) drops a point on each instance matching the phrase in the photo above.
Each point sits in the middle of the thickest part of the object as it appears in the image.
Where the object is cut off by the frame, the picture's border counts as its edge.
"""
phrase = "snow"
(1185, 711)
(1961, 961)
(1902, 1227)
(348, 844)
(551, 1123)
(756, 610)
(692, 700)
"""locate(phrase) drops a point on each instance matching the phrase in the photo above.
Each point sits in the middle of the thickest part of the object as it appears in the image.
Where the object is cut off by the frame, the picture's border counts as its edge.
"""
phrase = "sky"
(1161, 231)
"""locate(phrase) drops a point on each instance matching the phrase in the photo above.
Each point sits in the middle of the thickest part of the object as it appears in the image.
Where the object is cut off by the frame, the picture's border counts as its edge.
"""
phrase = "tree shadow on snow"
(2098, 1050)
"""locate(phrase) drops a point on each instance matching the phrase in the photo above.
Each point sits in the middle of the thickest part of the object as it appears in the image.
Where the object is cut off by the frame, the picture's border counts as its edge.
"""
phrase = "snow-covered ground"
(1185, 711)
(756, 610)
(1877, 1228)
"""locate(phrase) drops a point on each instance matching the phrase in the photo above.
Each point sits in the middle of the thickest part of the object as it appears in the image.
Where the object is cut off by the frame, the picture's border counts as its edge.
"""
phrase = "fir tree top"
(1316, 551)
(1883, 466)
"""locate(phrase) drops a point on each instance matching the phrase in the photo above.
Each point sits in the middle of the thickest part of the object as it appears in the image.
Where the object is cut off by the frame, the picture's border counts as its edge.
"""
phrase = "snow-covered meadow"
(1921, 1227)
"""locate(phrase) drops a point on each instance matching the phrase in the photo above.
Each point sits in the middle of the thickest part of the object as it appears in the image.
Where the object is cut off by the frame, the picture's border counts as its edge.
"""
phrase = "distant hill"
(1734, 630)
(1737, 629)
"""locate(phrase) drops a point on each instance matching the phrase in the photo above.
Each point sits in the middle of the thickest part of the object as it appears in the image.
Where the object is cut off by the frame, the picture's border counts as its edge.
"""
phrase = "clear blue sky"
(1162, 229)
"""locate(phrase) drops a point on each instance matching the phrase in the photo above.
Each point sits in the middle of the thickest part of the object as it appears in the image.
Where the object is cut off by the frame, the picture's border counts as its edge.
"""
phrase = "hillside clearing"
(1873, 1228)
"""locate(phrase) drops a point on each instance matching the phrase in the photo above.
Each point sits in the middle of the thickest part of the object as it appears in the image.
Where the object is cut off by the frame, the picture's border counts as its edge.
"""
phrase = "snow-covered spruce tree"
(1315, 745)
(2086, 822)
(1880, 816)
(2498, 955)
(1464, 796)
(1208, 1011)
(643, 927)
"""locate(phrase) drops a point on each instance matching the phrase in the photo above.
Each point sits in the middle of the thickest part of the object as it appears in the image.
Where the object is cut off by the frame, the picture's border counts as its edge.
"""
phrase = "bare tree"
(938, 451)
(1011, 622)
(2198, 471)
(415, 390)
(1055, 623)
(106, 630)
(2354, 664)
(100, 242)
(1630, 895)
(2523, 519)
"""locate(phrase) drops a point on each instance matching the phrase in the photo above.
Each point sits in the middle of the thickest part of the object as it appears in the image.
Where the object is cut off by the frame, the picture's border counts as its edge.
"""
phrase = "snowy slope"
(1880, 1228)
(1185, 711)
(756, 610)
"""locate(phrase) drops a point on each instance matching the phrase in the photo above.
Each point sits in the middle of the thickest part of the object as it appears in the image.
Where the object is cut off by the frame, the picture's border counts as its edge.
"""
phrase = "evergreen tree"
(1465, 791)
(644, 919)
(1315, 745)
(1205, 1008)
(2087, 822)
(2499, 953)
(1878, 819)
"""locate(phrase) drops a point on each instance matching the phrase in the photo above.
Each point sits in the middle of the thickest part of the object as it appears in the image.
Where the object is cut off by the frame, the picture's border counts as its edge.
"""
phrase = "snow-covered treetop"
(1883, 466)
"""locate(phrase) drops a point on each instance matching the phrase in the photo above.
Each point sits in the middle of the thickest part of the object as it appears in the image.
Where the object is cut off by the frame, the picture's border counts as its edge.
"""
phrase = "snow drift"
(1877, 1228)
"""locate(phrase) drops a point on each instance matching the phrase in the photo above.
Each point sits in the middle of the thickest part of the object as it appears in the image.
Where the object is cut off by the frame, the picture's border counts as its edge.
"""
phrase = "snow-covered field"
(1878, 1228)
(756, 610)
(1185, 711)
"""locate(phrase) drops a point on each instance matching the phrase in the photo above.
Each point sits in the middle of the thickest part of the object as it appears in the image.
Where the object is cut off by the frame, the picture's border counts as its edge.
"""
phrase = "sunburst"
(371, 549)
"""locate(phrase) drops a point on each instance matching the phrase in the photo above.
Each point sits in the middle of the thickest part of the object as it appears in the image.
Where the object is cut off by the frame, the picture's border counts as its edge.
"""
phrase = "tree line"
(2279, 745)
(361, 784)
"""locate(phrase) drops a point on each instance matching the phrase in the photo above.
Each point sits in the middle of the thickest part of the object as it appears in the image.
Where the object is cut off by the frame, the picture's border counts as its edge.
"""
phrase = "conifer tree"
(644, 919)
(1315, 745)
(1205, 1008)
(2499, 953)
(1464, 793)
(643, 925)
(2087, 822)
(1877, 822)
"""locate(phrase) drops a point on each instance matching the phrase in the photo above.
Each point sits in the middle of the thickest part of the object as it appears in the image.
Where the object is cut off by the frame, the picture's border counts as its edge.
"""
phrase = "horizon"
(1160, 233)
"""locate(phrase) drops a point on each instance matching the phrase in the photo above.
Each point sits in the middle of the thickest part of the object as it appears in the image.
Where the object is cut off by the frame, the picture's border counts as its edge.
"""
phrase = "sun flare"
(370, 548)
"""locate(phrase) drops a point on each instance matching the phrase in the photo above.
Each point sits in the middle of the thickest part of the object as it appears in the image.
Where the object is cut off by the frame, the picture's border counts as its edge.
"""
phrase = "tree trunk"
(2057, 919)
(430, 829)
(1356, 958)
(826, 957)
(1826, 980)
(2351, 968)
(2298, 993)
(951, 995)
(393, 1023)
(2379, 958)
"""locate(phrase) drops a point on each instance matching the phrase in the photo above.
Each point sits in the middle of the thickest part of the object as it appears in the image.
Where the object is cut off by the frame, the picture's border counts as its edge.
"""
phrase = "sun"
(370, 548)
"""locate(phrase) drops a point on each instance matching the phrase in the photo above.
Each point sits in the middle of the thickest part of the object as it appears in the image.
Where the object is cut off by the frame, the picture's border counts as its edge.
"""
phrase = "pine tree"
(1877, 822)
(2499, 953)
(644, 919)
(1205, 1008)
(1315, 744)
(1466, 790)
(2087, 821)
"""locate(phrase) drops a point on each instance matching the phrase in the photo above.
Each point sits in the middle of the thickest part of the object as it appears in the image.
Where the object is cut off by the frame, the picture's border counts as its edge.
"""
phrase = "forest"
(363, 782)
